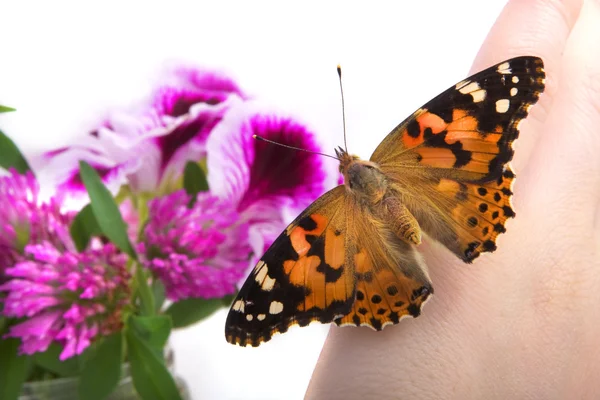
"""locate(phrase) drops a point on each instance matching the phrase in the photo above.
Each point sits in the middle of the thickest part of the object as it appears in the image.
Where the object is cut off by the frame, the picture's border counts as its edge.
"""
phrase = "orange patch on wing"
(309, 272)
(334, 249)
(448, 185)
(432, 121)
(480, 163)
(461, 121)
(474, 141)
(436, 157)
(362, 263)
(410, 141)
(298, 234)
(426, 120)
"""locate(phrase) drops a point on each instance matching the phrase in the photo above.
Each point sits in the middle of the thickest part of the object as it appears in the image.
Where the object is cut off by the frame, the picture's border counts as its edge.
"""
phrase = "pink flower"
(25, 219)
(266, 183)
(200, 251)
(147, 147)
(66, 297)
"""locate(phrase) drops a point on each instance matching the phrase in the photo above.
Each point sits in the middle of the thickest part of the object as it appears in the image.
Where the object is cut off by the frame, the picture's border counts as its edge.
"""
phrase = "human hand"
(523, 322)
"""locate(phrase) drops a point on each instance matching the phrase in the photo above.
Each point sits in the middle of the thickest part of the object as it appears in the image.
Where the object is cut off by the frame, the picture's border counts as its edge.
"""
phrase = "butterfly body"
(362, 179)
(351, 257)
(368, 185)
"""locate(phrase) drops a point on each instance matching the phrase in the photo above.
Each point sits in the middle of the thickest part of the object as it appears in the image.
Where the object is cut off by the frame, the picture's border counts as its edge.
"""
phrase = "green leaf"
(13, 369)
(194, 180)
(101, 372)
(158, 290)
(153, 330)
(10, 156)
(49, 361)
(4, 109)
(151, 377)
(106, 210)
(144, 292)
(84, 226)
(189, 311)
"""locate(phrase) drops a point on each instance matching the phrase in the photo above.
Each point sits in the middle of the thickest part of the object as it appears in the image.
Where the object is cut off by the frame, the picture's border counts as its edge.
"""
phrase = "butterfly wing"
(391, 279)
(448, 162)
(301, 278)
(335, 262)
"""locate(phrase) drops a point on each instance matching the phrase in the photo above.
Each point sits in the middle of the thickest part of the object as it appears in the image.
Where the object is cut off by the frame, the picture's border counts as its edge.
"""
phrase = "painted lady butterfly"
(351, 258)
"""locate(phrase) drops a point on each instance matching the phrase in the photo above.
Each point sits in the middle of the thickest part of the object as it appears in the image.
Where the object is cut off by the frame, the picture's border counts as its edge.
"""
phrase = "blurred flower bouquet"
(151, 221)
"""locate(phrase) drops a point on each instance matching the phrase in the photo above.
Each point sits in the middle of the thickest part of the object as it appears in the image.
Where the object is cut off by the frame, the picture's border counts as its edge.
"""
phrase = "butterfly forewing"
(449, 161)
(300, 279)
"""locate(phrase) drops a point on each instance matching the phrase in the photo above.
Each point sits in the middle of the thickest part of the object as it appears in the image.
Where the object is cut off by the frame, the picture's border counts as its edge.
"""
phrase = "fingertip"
(529, 27)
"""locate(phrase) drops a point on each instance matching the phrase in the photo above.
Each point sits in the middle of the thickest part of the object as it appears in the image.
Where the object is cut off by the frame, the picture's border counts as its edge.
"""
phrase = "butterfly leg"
(401, 221)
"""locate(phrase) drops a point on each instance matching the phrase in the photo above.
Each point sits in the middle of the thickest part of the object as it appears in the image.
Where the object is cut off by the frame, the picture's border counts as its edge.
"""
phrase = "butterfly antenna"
(339, 71)
(292, 147)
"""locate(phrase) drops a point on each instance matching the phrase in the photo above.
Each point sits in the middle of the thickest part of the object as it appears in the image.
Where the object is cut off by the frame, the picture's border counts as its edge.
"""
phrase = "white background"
(64, 65)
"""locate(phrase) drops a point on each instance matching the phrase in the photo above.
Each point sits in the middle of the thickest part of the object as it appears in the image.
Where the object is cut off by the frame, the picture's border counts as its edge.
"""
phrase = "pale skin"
(524, 321)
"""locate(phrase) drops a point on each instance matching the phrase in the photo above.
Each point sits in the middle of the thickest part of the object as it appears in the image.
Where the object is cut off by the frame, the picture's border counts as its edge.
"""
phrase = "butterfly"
(351, 257)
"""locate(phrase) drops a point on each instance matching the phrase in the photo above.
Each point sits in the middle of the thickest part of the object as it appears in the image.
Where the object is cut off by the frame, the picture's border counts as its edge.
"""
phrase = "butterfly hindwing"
(301, 278)
(449, 160)
(391, 279)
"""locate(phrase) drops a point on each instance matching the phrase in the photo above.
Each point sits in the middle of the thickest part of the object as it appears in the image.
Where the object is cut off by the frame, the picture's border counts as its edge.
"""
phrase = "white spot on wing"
(260, 317)
(515, 79)
(471, 87)
(502, 106)
(249, 317)
(514, 91)
(239, 306)
(276, 307)
(261, 270)
(268, 284)
(504, 68)
(478, 95)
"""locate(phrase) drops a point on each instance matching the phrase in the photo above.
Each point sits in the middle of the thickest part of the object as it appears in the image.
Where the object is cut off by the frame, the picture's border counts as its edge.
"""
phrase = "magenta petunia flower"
(148, 147)
(67, 297)
(201, 251)
(25, 219)
(268, 184)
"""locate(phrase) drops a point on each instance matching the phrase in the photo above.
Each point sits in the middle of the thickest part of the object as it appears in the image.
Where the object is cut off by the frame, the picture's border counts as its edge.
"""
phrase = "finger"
(531, 27)
(567, 161)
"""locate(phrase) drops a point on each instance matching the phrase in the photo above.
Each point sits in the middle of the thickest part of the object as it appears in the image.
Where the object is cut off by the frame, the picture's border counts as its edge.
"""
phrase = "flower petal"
(246, 170)
(36, 333)
(186, 86)
(268, 183)
(187, 136)
(61, 171)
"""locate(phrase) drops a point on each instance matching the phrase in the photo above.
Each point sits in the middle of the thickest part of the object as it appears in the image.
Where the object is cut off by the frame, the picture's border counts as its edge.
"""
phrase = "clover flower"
(25, 219)
(66, 297)
(198, 251)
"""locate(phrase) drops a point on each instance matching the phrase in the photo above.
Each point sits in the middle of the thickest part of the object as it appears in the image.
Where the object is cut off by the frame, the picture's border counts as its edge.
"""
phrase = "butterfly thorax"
(362, 178)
